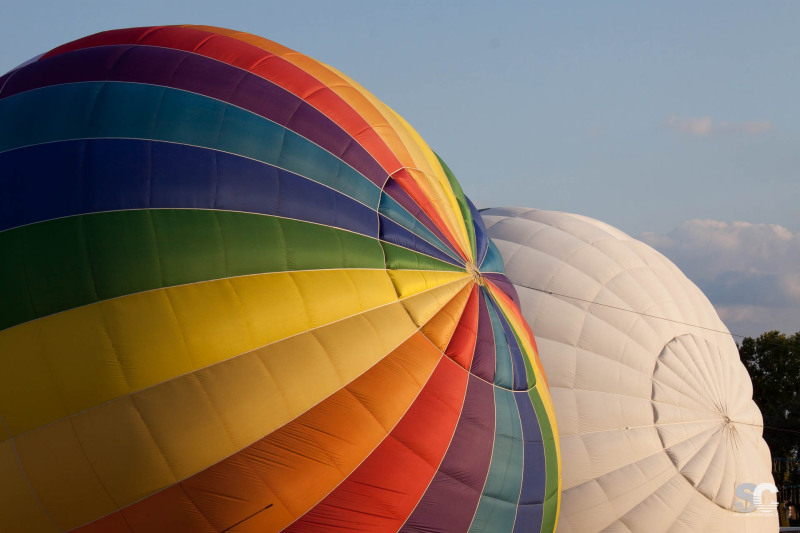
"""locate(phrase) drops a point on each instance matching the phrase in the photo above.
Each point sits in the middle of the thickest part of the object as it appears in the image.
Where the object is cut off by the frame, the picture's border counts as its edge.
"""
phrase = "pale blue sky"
(641, 114)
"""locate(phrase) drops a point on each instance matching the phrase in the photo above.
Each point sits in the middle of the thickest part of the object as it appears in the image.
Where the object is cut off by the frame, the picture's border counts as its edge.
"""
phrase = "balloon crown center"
(473, 271)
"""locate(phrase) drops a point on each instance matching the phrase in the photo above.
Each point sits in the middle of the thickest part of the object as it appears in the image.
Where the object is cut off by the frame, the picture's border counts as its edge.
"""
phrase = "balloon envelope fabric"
(242, 294)
(658, 429)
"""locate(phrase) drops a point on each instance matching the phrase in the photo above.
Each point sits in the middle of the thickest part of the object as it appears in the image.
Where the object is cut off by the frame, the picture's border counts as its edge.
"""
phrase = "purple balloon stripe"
(504, 284)
(393, 189)
(483, 361)
(450, 501)
(198, 74)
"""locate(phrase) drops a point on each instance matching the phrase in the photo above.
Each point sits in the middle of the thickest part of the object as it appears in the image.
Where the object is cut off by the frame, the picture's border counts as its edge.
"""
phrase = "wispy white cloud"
(707, 127)
(750, 272)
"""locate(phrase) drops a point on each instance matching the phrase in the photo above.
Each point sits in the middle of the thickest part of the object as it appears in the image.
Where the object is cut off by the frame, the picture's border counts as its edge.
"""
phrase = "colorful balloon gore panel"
(239, 293)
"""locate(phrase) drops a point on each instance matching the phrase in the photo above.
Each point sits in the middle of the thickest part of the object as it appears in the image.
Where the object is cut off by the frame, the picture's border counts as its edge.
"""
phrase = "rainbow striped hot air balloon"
(239, 293)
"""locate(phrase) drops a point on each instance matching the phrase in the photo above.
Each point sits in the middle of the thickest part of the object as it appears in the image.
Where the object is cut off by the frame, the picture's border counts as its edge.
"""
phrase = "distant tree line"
(773, 361)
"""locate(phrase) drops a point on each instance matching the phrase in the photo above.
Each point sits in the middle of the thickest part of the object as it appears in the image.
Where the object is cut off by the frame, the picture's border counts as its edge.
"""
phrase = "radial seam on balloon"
(533, 365)
(94, 470)
(437, 220)
(666, 472)
(489, 474)
(491, 457)
(702, 389)
(433, 245)
(701, 394)
(708, 376)
(544, 458)
(225, 106)
(723, 443)
(163, 457)
(449, 231)
(504, 369)
(640, 459)
(407, 447)
(676, 347)
(494, 385)
(438, 468)
(654, 494)
(463, 208)
(389, 114)
(230, 358)
(621, 270)
(703, 402)
(683, 407)
(448, 250)
(275, 341)
(368, 410)
(27, 479)
(444, 185)
(709, 434)
(164, 285)
(280, 57)
(571, 301)
(527, 347)
(441, 357)
(245, 72)
(522, 477)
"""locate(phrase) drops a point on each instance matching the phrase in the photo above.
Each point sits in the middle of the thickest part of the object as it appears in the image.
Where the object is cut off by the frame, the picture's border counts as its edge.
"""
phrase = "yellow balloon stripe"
(429, 176)
(443, 183)
(130, 447)
(422, 307)
(411, 282)
(439, 329)
(133, 342)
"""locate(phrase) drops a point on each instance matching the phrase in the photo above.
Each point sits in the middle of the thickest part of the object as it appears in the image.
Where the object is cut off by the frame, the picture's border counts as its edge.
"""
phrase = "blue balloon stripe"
(504, 373)
(137, 111)
(67, 178)
(514, 352)
(481, 237)
(394, 211)
(531, 498)
(493, 262)
(391, 231)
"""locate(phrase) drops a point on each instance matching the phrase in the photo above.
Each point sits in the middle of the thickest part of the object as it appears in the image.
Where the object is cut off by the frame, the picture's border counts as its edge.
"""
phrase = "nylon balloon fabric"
(242, 294)
(658, 429)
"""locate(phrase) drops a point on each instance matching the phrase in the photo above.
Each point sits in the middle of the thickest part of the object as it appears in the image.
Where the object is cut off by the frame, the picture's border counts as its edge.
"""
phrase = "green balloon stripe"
(399, 258)
(466, 213)
(64, 263)
(497, 507)
(551, 462)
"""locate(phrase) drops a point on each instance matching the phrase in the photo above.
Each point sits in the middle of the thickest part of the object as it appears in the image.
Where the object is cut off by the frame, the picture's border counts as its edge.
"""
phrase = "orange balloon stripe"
(329, 78)
(247, 55)
(324, 101)
(439, 329)
(327, 443)
(383, 491)
(252, 59)
(404, 178)
(462, 344)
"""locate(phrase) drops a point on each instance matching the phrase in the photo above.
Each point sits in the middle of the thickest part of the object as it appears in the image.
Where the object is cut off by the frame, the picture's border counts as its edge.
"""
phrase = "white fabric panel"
(654, 408)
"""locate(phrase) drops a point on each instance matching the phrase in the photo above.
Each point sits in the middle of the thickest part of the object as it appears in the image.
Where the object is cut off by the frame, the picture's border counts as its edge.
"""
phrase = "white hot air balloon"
(655, 414)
